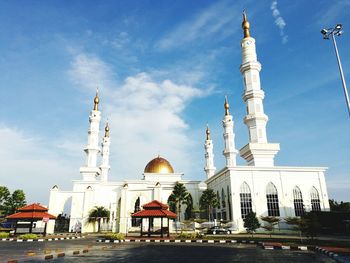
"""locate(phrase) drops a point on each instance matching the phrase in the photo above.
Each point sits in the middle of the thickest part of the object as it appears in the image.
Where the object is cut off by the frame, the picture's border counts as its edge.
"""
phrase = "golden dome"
(227, 106)
(208, 133)
(107, 130)
(159, 165)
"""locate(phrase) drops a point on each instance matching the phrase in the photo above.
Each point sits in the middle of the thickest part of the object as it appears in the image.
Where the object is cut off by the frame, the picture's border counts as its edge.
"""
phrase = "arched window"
(272, 200)
(298, 202)
(246, 200)
(229, 203)
(315, 200)
(136, 221)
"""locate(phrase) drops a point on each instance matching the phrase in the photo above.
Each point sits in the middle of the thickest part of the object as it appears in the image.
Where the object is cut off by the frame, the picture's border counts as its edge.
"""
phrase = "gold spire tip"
(227, 106)
(207, 131)
(96, 100)
(245, 25)
(107, 130)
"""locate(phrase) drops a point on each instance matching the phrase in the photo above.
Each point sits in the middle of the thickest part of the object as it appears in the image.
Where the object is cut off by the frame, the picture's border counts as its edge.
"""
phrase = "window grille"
(298, 202)
(315, 200)
(246, 200)
(272, 200)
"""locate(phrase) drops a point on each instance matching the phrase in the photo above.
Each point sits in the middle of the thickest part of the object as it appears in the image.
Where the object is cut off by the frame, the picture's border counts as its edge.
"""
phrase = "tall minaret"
(230, 151)
(90, 170)
(209, 155)
(105, 155)
(258, 152)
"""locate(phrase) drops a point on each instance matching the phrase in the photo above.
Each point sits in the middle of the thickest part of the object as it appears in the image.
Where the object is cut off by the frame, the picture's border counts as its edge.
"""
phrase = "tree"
(312, 224)
(270, 222)
(251, 223)
(339, 207)
(4, 196)
(15, 201)
(298, 223)
(96, 214)
(208, 201)
(189, 207)
(179, 197)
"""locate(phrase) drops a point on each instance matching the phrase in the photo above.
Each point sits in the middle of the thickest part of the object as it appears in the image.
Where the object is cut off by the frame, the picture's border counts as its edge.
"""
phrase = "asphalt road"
(160, 252)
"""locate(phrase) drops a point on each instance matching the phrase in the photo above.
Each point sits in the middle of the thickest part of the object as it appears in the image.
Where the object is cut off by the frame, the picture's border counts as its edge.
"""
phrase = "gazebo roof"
(33, 211)
(154, 209)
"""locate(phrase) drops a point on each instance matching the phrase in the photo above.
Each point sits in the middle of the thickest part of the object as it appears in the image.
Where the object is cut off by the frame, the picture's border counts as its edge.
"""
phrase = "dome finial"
(245, 25)
(96, 100)
(207, 131)
(107, 129)
(227, 106)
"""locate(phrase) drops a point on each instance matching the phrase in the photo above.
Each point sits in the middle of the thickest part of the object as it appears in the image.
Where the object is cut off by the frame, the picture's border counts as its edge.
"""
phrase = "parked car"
(217, 230)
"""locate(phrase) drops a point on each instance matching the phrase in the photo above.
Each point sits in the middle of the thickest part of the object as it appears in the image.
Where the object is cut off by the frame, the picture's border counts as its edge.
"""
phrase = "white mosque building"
(258, 186)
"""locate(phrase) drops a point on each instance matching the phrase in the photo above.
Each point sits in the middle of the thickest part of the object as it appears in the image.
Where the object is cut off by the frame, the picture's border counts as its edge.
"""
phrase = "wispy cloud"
(145, 116)
(211, 21)
(279, 21)
(333, 13)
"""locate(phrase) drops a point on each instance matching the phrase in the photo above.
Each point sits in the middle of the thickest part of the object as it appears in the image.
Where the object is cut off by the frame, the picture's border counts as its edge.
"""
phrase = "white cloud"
(145, 117)
(32, 164)
(279, 21)
(210, 21)
(89, 72)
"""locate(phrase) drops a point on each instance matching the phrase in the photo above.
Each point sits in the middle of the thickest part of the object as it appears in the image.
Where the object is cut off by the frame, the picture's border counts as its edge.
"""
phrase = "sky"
(163, 69)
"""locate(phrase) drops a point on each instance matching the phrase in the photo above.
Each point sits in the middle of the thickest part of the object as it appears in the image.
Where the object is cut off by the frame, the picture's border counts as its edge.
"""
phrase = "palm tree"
(208, 201)
(96, 214)
(178, 197)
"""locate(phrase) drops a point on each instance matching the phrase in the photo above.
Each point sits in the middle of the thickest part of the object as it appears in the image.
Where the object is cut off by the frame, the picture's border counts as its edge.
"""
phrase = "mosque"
(258, 186)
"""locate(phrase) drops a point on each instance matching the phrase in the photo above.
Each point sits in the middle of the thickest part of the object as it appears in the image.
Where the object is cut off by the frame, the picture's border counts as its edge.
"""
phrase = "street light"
(337, 30)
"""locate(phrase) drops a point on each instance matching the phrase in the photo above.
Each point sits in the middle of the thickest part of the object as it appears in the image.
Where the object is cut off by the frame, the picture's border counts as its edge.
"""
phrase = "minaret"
(209, 155)
(258, 152)
(105, 155)
(230, 151)
(90, 170)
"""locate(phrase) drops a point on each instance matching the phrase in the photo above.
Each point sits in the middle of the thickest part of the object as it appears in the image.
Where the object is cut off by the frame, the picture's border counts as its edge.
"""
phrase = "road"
(151, 252)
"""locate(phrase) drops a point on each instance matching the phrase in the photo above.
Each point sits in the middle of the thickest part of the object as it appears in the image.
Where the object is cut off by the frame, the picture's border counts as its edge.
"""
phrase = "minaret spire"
(245, 25)
(96, 100)
(258, 152)
(209, 155)
(105, 167)
(230, 151)
(90, 171)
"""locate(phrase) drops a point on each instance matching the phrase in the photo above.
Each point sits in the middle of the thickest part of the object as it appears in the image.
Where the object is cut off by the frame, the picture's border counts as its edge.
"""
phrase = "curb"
(216, 241)
(38, 239)
(332, 255)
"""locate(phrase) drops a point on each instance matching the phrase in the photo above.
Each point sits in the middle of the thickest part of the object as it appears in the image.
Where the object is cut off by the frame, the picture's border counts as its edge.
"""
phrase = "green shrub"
(4, 235)
(115, 236)
(195, 235)
(28, 236)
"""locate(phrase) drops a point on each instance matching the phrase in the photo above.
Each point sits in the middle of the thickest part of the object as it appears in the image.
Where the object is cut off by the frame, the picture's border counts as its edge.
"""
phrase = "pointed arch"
(298, 202)
(273, 208)
(136, 221)
(246, 200)
(315, 199)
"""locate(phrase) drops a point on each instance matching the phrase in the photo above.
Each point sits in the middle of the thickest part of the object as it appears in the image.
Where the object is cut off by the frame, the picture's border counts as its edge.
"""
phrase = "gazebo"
(152, 210)
(29, 214)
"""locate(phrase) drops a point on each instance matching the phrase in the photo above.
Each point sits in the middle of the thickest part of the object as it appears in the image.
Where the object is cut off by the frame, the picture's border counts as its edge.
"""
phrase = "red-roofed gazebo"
(154, 209)
(30, 214)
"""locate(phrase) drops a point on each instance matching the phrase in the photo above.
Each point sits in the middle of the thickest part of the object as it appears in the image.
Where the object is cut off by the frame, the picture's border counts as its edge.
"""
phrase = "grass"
(114, 236)
(28, 236)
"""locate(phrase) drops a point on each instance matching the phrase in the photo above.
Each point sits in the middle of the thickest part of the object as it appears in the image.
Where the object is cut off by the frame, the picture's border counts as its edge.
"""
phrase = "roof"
(154, 209)
(33, 207)
(30, 215)
(155, 205)
(159, 165)
(154, 213)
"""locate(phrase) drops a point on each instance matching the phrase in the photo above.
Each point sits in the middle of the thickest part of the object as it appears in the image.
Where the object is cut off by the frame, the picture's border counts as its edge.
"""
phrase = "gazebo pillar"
(161, 226)
(149, 226)
(168, 228)
(141, 225)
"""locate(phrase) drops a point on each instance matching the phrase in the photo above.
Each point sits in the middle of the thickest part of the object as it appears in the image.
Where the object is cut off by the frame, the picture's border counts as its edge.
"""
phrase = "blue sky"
(163, 69)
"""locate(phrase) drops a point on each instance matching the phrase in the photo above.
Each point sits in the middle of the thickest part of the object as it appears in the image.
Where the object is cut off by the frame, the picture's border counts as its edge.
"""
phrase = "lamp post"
(337, 31)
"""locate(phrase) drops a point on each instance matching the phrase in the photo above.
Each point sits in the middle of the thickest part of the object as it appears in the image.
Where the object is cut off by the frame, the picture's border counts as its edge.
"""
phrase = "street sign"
(45, 219)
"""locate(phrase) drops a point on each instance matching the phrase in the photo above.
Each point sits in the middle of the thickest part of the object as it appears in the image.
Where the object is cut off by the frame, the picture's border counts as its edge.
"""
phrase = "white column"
(209, 155)
(105, 167)
(90, 170)
(258, 152)
(230, 151)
